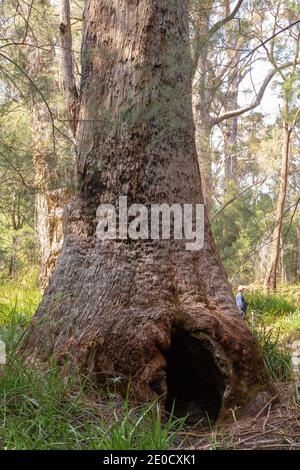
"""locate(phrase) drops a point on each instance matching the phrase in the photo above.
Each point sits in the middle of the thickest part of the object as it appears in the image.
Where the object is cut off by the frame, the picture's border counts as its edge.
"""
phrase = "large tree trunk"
(156, 315)
(270, 281)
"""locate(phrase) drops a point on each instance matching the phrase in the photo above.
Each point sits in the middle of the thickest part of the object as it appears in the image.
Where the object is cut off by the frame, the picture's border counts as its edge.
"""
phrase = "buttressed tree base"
(160, 317)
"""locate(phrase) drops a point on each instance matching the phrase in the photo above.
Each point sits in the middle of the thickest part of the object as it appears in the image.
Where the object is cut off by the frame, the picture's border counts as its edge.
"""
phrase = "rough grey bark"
(111, 306)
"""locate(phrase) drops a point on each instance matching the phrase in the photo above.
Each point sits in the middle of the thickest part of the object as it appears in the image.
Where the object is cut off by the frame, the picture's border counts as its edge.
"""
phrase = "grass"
(277, 358)
(41, 409)
(287, 327)
(276, 324)
(276, 313)
(19, 298)
(268, 307)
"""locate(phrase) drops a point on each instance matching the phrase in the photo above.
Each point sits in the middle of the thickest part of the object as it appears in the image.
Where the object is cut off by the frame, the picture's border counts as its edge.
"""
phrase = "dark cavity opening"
(195, 383)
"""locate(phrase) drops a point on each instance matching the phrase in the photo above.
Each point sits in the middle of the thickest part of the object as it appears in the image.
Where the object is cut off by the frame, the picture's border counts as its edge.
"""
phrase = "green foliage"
(40, 409)
(270, 306)
(17, 237)
(287, 327)
(18, 248)
(275, 323)
(278, 360)
(238, 229)
(137, 428)
(19, 299)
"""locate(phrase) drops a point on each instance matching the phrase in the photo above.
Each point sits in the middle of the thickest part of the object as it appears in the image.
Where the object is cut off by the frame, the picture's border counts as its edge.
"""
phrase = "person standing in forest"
(241, 301)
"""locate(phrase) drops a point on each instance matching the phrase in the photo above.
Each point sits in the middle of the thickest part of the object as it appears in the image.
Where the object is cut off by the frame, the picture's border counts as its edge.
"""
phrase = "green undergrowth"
(19, 298)
(275, 321)
(42, 409)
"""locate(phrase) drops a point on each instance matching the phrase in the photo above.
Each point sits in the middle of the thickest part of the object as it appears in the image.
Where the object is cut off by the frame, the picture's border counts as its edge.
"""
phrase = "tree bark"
(203, 130)
(16, 224)
(230, 132)
(125, 307)
(202, 97)
(50, 196)
(298, 254)
(67, 66)
(230, 127)
(270, 280)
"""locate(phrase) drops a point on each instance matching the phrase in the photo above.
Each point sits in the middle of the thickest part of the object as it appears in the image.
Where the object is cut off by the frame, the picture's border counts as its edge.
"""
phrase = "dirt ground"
(275, 426)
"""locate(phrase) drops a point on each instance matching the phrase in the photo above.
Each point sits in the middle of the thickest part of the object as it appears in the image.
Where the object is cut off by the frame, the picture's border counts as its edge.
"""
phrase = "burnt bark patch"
(195, 384)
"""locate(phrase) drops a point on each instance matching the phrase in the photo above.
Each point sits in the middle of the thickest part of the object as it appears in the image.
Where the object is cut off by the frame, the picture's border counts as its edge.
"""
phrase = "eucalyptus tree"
(288, 81)
(144, 310)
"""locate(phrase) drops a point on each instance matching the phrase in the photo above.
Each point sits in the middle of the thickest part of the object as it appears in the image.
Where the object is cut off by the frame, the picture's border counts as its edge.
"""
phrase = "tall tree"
(228, 40)
(67, 65)
(276, 244)
(203, 94)
(298, 253)
(290, 116)
(146, 310)
(50, 195)
(234, 44)
(30, 49)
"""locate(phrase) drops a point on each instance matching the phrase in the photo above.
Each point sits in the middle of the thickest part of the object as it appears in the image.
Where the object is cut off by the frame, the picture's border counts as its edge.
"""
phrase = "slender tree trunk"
(283, 273)
(202, 99)
(12, 258)
(230, 142)
(298, 254)
(230, 127)
(270, 281)
(67, 66)
(11, 270)
(230, 133)
(148, 311)
(203, 130)
(16, 224)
